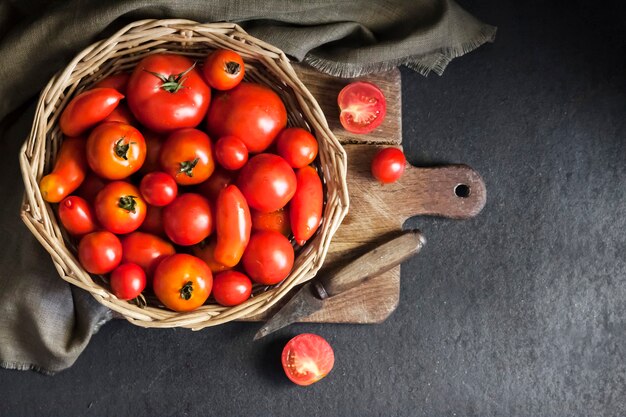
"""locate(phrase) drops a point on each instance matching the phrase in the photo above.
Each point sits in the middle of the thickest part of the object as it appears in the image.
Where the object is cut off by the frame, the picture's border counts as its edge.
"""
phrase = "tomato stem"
(121, 148)
(186, 290)
(186, 167)
(174, 82)
(127, 203)
(233, 68)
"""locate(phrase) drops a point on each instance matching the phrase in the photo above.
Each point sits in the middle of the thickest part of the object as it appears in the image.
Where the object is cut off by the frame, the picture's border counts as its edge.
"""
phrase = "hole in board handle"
(462, 190)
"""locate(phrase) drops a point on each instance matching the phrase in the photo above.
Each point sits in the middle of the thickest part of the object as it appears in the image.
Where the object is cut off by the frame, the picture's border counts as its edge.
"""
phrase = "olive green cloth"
(44, 322)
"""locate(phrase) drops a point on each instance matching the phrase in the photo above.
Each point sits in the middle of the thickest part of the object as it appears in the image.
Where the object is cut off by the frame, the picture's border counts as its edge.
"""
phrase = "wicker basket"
(264, 64)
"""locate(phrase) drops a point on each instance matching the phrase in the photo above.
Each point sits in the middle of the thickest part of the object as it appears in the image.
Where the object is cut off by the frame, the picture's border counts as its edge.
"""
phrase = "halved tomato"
(307, 358)
(363, 107)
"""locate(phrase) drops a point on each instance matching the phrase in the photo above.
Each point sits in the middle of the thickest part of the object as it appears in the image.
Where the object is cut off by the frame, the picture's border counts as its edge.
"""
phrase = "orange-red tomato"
(116, 81)
(205, 250)
(99, 252)
(188, 219)
(388, 165)
(297, 146)
(187, 155)
(233, 225)
(68, 173)
(219, 180)
(158, 188)
(182, 282)
(307, 358)
(88, 109)
(154, 141)
(267, 181)
(120, 208)
(145, 250)
(305, 208)
(223, 69)
(115, 150)
(277, 221)
(77, 216)
(268, 258)
(231, 288)
(127, 281)
(231, 153)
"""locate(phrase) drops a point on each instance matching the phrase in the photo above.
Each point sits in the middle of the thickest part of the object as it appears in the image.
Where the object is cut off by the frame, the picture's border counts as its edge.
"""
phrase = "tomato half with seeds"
(187, 155)
(77, 216)
(223, 69)
(231, 288)
(115, 150)
(182, 282)
(363, 107)
(88, 109)
(120, 208)
(145, 250)
(307, 358)
(166, 92)
(99, 252)
(188, 219)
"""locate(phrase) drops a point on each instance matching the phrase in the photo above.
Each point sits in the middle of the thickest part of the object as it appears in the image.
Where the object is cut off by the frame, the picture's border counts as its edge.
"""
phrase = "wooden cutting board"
(377, 211)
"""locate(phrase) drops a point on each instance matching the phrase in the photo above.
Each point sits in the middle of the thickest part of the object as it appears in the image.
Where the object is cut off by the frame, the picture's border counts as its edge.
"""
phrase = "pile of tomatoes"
(186, 180)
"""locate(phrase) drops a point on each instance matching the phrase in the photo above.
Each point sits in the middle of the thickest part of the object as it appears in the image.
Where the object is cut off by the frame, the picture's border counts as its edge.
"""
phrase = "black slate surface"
(520, 311)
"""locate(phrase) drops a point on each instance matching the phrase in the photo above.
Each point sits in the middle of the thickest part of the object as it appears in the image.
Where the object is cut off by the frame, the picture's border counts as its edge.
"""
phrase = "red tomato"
(145, 250)
(158, 188)
(166, 92)
(119, 207)
(233, 224)
(88, 109)
(307, 358)
(127, 281)
(205, 250)
(268, 258)
(154, 141)
(76, 215)
(182, 282)
(187, 155)
(252, 112)
(223, 69)
(121, 114)
(231, 152)
(231, 288)
(115, 150)
(388, 165)
(277, 221)
(305, 208)
(68, 173)
(219, 180)
(188, 219)
(297, 146)
(363, 107)
(268, 182)
(116, 81)
(99, 252)
(153, 223)
(90, 187)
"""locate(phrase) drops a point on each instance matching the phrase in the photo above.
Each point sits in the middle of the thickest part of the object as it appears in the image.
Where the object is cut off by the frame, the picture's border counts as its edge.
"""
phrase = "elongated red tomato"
(77, 216)
(68, 173)
(188, 219)
(88, 109)
(268, 182)
(363, 107)
(182, 282)
(233, 225)
(120, 208)
(166, 92)
(307, 358)
(145, 250)
(115, 150)
(187, 155)
(99, 252)
(305, 208)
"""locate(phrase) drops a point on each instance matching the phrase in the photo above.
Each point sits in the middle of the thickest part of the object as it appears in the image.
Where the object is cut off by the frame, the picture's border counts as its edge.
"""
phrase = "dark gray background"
(520, 311)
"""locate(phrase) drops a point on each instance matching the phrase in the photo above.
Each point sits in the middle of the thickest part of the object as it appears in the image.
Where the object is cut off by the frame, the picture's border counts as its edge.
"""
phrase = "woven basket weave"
(265, 64)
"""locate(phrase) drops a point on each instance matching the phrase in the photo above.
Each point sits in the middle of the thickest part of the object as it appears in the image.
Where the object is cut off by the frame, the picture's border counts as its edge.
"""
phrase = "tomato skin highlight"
(223, 69)
(158, 189)
(388, 165)
(297, 146)
(305, 208)
(119, 207)
(99, 252)
(182, 282)
(162, 106)
(115, 150)
(268, 258)
(88, 109)
(68, 173)
(187, 155)
(252, 112)
(76, 216)
(146, 250)
(233, 225)
(268, 182)
(231, 288)
(307, 358)
(363, 107)
(188, 219)
(231, 153)
(127, 281)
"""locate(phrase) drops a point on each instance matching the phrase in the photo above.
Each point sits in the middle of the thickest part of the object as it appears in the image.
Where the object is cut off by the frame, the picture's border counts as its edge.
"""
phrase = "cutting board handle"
(454, 191)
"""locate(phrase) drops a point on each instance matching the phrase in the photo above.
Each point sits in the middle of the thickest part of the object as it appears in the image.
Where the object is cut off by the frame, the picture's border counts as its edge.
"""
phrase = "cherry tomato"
(145, 250)
(127, 281)
(363, 107)
(231, 152)
(99, 252)
(121, 114)
(268, 182)
(68, 173)
(158, 188)
(88, 109)
(297, 146)
(153, 223)
(154, 141)
(116, 81)
(305, 208)
(268, 258)
(307, 358)
(90, 187)
(205, 250)
(223, 69)
(277, 221)
(187, 155)
(231, 288)
(76, 216)
(120, 208)
(182, 282)
(388, 165)
(188, 219)
(219, 180)
(233, 225)
(166, 92)
(115, 150)
(252, 112)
